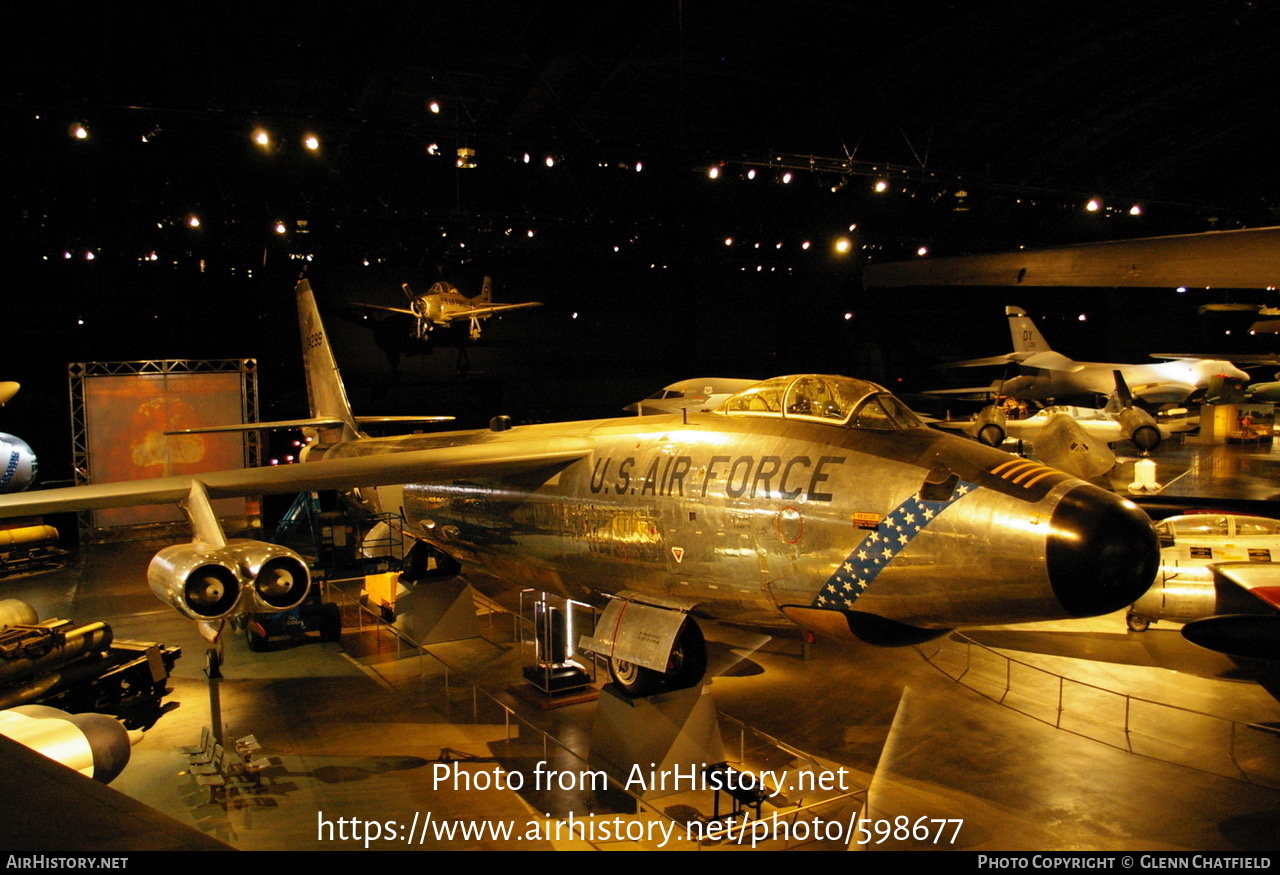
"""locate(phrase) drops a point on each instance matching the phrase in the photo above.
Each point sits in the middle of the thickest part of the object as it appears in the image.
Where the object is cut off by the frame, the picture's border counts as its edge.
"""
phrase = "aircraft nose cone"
(1101, 552)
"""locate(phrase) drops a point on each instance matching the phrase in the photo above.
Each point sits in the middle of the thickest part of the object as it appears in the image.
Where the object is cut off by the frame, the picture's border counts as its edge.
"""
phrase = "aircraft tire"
(635, 681)
(1137, 622)
(685, 668)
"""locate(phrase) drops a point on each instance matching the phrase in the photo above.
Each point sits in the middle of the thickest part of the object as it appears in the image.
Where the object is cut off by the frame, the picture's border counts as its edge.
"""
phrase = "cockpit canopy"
(823, 398)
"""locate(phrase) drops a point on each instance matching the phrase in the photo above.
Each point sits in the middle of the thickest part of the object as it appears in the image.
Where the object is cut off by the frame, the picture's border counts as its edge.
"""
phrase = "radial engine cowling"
(209, 583)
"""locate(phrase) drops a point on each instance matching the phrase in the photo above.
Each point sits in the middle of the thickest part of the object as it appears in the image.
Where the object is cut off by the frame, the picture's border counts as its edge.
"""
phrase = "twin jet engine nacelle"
(208, 583)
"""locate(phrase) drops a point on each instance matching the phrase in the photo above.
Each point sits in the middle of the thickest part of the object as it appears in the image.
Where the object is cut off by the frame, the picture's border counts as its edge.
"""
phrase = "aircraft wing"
(1247, 258)
(316, 422)
(1007, 359)
(1234, 358)
(485, 459)
(479, 312)
(385, 309)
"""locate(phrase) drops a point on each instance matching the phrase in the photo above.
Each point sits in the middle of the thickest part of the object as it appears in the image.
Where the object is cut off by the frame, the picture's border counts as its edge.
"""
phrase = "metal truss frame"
(79, 372)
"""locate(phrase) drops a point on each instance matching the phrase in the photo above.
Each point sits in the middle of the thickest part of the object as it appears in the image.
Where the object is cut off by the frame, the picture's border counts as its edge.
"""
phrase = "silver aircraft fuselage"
(775, 521)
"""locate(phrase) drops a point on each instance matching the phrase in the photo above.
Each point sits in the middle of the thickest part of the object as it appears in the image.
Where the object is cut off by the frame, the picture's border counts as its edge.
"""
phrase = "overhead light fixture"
(311, 141)
(1135, 210)
(714, 172)
(261, 137)
(881, 186)
(1093, 205)
(466, 158)
(434, 106)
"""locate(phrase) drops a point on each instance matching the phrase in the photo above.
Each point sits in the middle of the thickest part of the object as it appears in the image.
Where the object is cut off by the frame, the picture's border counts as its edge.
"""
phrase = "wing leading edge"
(490, 459)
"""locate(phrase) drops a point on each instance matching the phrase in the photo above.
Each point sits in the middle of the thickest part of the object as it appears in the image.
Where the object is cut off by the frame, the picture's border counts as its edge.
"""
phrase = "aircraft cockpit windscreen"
(823, 398)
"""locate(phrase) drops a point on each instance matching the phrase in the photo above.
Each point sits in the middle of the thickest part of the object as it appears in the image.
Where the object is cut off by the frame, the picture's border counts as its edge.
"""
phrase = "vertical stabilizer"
(1026, 337)
(325, 391)
(486, 292)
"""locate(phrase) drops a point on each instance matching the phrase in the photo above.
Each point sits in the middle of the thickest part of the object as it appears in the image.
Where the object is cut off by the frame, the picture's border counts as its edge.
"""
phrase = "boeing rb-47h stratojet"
(813, 501)
(442, 305)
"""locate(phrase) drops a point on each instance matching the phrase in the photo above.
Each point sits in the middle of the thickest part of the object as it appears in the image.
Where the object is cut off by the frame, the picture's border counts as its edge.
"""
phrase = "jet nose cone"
(1101, 552)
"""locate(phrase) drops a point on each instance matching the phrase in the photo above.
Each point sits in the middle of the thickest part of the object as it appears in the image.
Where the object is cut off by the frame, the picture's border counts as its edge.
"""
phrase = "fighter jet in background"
(442, 305)
(700, 393)
(1047, 374)
(1218, 575)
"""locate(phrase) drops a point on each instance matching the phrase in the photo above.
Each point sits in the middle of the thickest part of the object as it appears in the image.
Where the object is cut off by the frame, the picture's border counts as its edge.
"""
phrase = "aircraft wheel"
(635, 680)
(1137, 622)
(685, 667)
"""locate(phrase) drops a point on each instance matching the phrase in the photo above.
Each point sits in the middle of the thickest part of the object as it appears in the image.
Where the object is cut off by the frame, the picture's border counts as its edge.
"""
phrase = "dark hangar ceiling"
(1026, 108)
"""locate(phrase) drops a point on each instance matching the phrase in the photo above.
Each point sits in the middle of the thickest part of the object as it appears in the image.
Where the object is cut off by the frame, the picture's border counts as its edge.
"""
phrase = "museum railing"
(1160, 731)
(512, 736)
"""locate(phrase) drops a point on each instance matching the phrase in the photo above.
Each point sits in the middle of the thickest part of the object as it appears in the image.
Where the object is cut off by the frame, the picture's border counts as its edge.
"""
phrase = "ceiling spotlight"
(551, 161)
(786, 177)
(639, 166)
(881, 186)
(751, 174)
(1093, 205)
(261, 137)
(434, 106)
(79, 131)
(280, 228)
(848, 316)
(714, 172)
(433, 149)
(804, 245)
(1082, 318)
(193, 221)
(843, 245)
(526, 157)
(923, 250)
(529, 233)
(311, 141)
(1135, 210)
(728, 241)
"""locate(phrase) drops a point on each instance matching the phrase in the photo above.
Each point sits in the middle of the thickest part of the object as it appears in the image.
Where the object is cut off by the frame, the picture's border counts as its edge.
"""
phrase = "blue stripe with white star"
(879, 548)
